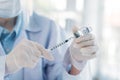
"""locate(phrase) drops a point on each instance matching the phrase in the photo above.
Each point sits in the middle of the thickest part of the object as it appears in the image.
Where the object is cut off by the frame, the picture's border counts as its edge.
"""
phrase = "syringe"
(62, 43)
(77, 33)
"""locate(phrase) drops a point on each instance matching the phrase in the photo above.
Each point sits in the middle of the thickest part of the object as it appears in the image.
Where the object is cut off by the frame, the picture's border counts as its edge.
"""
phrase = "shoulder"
(38, 22)
(39, 17)
(41, 20)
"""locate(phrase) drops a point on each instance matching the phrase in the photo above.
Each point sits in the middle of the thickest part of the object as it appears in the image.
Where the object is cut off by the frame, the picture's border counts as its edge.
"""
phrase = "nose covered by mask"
(9, 8)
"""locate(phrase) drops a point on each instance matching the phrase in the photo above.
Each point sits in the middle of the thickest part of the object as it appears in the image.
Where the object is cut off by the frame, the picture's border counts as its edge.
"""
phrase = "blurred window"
(65, 12)
(111, 40)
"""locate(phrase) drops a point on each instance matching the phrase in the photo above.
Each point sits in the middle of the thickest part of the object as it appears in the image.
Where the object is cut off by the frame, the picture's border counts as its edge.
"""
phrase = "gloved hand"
(26, 54)
(82, 49)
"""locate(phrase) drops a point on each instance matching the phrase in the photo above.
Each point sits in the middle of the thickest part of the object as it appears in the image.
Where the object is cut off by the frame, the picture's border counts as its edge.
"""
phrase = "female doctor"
(24, 38)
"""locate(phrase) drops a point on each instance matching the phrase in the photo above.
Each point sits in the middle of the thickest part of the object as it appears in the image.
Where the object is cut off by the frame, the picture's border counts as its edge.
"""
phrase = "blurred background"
(103, 16)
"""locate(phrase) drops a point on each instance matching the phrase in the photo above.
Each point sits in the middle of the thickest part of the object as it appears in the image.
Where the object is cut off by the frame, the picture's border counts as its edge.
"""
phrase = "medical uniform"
(45, 32)
(2, 67)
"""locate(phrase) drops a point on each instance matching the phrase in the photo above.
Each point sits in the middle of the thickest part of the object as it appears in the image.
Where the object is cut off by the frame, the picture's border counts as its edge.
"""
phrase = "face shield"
(9, 8)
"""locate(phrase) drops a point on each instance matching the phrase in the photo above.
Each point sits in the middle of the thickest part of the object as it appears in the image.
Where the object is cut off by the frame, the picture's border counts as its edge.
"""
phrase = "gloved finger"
(40, 51)
(35, 58)
(85, 44)
(82, 57)
(45, 53)
(24, 41)
(35, 50)
(32, 66)
(91, 50)
(32, 46)
(27, 43)
(84, 38)
(86, 57)
(33, 61)
(30, 61)
(33, 54)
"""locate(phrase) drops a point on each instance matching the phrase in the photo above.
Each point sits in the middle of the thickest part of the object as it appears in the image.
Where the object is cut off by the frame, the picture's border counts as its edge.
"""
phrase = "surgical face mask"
(9, 8)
